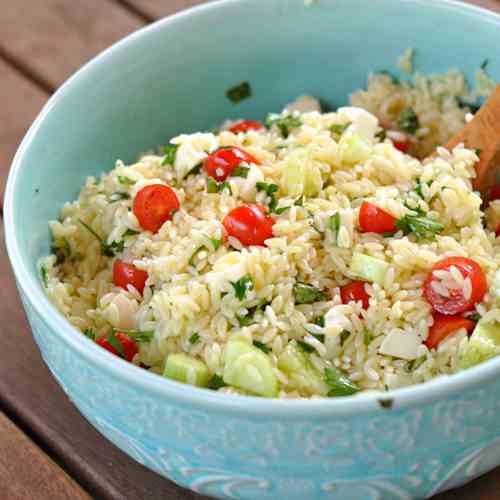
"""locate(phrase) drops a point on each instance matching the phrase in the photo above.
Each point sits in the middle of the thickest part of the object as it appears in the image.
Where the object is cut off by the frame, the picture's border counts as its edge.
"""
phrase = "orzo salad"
(314, 255)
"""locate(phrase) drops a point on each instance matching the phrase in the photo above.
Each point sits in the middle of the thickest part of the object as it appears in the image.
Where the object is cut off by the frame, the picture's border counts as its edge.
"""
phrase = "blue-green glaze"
(171, 77)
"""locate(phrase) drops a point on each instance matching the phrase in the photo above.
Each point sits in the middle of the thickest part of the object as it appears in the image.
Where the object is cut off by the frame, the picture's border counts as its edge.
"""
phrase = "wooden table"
(47, 450)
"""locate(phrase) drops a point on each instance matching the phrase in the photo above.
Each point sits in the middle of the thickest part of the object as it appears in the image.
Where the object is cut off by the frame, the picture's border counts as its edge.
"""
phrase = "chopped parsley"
(194, 171)
(217, 187)
(285, 124)
(421, 227)
(248, 318)
(305, 346)
(137, 335)
(381, 135)
(477, 151)
(319, 321)
(270, 190)
(339, 383)
(194, 338)
(89, 333)
(216, 383)
(474, 317)
(130, 232)
(107, 249)
(119, 195)
(415, 363)
(367, 337)
(239, 92)
(170, 151)
(45, 276)
(339, 129)
(408, 121)
(242, 286)
(125, 180)
(240, 172)
(418, 188)
(116, 344)
(344, 335)
(304, 293)
(334, 225)
(262, 347)
(215, 243)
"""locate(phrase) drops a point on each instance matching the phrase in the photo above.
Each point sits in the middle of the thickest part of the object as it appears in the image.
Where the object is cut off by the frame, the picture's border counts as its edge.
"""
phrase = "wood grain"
(27, 473)
(22, 102)
(53, 38)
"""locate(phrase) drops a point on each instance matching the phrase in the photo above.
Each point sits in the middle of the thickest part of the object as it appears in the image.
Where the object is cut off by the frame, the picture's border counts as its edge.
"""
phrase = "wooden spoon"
(483, 133)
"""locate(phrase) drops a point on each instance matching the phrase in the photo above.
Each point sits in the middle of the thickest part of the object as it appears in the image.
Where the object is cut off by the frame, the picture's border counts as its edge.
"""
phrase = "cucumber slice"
(186, 369)
(355, 149)
(248, 368)
(483, 344)
(295, 363)
(368, 268)
(301, 178)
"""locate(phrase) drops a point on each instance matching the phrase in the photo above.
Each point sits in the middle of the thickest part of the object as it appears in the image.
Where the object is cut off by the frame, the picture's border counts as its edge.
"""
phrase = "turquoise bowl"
(171, 77)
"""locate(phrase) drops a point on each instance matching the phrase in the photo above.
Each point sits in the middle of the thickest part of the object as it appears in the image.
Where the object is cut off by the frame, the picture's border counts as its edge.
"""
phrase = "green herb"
(216, 383)
(194, 171)
(344, 335)
(299, 202)
(225, 185)
(262, 347)
(381, 135)
(194, 338)
(242, 286)
(408, 121)
(421, 227)
(339, 383)
(214, 187)
(170, 151)
(119, 195)
(45, 276)
(367, 337)
(477, 151)
(216, 243)
(137, 335)
(386, 403)
(107, 249)
(195, 253)
(307, 294)
(418, 189)
(474, 317)
(473, 106)
(89, 333)
(285, 124)
(394, 78)
(334, 225)
(339, 129)
(248, 318)
(415, 363)
(484, 64)
(130, 232)
(270, 190)
(240, 172)
(320, 321)
(305, 346)
(239, 92)
(319, 336)
(116, 344)
(125, 180)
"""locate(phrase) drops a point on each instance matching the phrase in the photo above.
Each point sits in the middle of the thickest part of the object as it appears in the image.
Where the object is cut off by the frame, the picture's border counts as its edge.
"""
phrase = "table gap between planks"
(47, 450)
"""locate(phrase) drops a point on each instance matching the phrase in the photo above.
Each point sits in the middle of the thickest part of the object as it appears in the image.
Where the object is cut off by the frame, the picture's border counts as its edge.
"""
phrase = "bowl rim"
(183, 394)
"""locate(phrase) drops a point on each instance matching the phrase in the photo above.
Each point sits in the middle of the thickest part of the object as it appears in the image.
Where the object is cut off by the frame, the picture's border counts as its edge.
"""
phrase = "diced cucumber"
(483, 344)
(355, 149)
(300, 178)
(248, 368)
(368, 268)
(186, 369)
(295, 363)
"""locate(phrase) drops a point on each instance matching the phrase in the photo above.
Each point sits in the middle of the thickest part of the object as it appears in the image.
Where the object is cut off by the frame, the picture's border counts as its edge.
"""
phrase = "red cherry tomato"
(403, 146)
(456, 302)
(127, 274)
(249, 224)
(129, 346)
(154, 205)
(221, 164)
(495, 192)
(373, 219)
(355, 292)
(245, 126)
(444, 326)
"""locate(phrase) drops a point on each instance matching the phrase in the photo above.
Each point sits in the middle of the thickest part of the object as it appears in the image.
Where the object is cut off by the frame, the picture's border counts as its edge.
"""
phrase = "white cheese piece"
(193, 149)
(401, 344)
(363, 123)
(246, 187)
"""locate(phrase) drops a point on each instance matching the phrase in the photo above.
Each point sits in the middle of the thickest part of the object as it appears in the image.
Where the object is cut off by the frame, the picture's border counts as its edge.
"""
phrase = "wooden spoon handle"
(483, 133)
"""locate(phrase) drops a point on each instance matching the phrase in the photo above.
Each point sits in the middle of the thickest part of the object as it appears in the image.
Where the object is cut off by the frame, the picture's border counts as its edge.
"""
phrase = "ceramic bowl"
(171, 77)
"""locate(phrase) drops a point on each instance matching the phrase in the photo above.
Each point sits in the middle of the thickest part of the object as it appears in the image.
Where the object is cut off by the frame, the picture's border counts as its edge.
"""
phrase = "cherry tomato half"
(222, 162)
(456, 302)
(373, 219)
(154, 205)
(129, 346)
(249, 224)
(402, 146)
(444, 326)
(127, 274)
(495, 192)
(355, 292)
(245, 126)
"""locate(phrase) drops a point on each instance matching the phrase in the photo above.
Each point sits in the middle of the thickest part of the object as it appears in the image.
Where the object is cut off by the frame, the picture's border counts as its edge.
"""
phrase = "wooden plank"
(33, 397)
(154, 9)
(27, 473)
(22, 100)
(54, 38)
